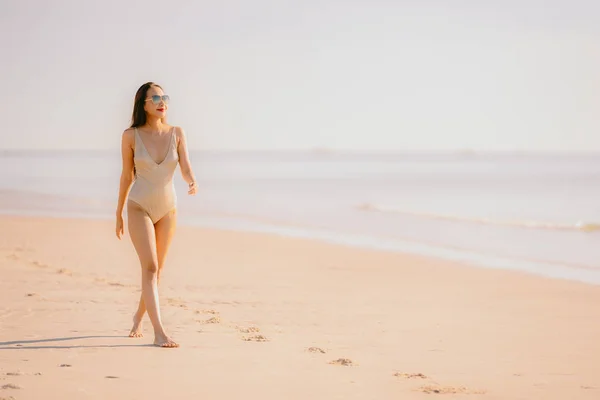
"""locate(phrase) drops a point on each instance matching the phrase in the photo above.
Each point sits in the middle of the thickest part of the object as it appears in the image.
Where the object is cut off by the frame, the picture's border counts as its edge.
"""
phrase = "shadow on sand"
(19, 344)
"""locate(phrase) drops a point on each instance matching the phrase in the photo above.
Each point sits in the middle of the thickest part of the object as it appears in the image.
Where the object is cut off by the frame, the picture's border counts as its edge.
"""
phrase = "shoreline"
(313, 319)
(234, 223)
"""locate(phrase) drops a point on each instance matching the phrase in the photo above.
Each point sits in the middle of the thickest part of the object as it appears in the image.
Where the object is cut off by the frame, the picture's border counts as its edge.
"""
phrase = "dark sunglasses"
(156, 99)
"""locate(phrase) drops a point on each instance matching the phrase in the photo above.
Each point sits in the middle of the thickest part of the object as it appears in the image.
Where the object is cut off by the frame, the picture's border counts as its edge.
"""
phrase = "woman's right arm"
(127, 169)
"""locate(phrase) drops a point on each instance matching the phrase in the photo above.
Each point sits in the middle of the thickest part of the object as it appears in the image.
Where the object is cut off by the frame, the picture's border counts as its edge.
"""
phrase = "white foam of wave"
(577, 226)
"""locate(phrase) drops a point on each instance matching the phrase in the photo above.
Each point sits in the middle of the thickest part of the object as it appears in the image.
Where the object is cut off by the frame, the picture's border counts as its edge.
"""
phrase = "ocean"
(538, 213)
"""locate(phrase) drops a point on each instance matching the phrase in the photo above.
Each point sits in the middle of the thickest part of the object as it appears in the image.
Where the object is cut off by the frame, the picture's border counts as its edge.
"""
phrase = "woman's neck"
(154, 124)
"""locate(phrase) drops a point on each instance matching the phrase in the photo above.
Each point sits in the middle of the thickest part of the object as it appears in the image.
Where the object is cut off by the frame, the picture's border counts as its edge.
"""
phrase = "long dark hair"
(138, 118)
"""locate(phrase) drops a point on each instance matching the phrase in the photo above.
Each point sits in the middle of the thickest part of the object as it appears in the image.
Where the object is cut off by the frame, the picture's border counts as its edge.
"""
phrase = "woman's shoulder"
(178, 130)
(128, 133)
(128, 136)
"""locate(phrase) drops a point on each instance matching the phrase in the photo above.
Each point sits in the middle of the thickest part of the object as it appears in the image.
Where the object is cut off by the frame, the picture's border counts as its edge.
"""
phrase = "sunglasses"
(156, 99)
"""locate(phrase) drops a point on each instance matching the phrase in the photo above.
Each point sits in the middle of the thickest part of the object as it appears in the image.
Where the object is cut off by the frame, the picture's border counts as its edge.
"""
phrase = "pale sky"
(282, 74)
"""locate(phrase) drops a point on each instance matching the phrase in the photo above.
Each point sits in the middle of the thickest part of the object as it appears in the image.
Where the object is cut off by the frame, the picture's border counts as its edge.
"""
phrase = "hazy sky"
(279, 74)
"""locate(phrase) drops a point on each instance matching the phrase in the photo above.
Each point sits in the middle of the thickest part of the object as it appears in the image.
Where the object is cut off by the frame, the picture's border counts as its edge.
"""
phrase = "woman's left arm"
(184, 161)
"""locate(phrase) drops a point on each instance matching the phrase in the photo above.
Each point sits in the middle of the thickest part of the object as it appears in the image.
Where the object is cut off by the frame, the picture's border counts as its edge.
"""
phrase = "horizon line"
(327, 150)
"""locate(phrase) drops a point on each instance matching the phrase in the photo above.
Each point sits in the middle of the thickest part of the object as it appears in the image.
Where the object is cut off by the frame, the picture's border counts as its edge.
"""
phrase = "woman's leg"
(136, 330)
(164, 231)
(143, 236)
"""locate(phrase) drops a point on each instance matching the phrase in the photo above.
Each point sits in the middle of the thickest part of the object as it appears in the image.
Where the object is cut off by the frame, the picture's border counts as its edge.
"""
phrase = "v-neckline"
(148, 153)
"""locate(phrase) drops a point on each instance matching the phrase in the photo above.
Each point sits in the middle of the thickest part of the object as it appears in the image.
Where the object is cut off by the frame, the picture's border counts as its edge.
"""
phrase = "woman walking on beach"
(150, 151)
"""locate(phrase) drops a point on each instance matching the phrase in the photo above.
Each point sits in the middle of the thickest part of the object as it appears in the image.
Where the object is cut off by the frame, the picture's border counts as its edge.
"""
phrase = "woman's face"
(158, 106)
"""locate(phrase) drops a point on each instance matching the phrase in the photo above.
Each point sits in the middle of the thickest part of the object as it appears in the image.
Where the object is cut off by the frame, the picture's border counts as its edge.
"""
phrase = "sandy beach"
(267, 317)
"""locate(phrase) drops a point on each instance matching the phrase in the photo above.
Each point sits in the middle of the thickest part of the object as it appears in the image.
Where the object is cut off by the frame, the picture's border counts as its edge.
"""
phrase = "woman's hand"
(192, 188)
(119, 227)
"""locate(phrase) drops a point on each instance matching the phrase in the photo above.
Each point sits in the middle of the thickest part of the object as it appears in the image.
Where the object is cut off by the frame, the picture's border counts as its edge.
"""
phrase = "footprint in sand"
(177, 303)
(430, 389)
(346, 362)
(213, 320)
(213, 312)
(410, 375)
(316, 350)
(255, 338)
(11, 386)
(251, 329)
(64, 271)
(19, 373)
(39, 264)
(111, 283)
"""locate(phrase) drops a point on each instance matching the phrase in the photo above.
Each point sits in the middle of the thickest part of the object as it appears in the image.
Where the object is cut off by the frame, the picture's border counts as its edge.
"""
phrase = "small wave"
(578, 226)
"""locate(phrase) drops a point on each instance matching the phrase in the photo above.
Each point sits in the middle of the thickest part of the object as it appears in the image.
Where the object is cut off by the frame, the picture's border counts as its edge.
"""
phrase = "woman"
(151, 150)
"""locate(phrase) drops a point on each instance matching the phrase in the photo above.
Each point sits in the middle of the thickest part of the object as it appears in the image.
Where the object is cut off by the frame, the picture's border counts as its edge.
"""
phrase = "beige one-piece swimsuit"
(153, 188)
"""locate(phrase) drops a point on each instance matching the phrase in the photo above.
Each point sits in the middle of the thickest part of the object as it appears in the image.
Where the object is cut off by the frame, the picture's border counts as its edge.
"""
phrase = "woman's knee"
(151, 267)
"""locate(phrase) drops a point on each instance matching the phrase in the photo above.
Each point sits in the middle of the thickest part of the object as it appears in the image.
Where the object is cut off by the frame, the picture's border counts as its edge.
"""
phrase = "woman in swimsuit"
(151, 150)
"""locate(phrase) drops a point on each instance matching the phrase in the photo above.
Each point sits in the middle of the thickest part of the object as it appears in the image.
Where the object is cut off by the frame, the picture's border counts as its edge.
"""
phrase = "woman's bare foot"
(136, 330)
(162, 340)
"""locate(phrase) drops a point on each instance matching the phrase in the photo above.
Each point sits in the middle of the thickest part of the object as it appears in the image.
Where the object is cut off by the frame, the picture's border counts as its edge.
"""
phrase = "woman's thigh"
(143, 236)
(165, 229)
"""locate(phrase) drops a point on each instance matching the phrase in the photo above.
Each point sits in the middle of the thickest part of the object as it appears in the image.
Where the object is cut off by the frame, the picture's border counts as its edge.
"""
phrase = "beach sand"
(266, 317)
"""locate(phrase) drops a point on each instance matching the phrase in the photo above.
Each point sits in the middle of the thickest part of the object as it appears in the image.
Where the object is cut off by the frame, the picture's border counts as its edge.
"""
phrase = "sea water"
(533, 212)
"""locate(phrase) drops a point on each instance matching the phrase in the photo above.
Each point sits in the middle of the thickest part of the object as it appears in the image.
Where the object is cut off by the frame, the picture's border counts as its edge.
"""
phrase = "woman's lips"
(160, 109)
